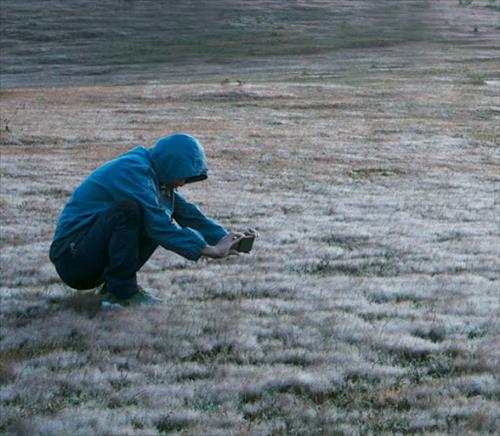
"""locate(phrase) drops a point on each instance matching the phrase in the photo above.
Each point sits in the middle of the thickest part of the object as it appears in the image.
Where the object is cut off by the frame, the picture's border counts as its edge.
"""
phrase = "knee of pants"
(130, 211)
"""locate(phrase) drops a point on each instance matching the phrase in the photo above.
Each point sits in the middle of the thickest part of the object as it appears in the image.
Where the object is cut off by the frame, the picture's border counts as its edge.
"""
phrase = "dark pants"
(112, 251)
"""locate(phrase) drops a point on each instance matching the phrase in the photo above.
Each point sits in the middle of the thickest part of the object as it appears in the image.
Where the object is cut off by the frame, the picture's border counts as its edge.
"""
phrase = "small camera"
(245, 244)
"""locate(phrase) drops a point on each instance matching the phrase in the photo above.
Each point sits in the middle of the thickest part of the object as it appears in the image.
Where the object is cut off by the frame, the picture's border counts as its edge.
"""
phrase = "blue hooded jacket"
(141, 173)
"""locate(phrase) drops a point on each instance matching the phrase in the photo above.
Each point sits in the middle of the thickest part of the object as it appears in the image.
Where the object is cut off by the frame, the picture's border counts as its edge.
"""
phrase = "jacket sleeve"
(188, 215)
(158, 222)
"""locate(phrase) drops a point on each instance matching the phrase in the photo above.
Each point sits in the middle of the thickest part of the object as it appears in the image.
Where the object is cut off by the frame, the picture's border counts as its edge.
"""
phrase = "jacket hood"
(178, 156)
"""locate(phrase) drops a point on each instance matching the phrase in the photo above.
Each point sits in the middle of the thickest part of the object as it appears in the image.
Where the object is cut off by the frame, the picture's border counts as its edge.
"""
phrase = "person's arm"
(158, 222)
(189, 215)
(131, 182)
(186, 241)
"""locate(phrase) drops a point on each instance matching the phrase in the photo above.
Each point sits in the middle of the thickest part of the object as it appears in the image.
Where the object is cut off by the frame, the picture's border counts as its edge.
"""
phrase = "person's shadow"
(88, 303)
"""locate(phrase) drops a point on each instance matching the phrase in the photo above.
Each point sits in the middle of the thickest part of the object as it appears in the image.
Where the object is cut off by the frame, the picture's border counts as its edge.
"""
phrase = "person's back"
(97, 193)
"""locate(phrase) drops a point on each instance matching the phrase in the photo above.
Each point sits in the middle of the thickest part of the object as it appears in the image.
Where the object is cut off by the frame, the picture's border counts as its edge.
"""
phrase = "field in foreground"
(370, 304)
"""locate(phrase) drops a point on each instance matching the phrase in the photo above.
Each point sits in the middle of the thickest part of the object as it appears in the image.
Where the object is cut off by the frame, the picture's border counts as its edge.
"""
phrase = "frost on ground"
(370, 303)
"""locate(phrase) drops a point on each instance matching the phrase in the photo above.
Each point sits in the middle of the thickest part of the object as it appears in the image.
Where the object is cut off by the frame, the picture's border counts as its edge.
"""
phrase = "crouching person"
(128, 207)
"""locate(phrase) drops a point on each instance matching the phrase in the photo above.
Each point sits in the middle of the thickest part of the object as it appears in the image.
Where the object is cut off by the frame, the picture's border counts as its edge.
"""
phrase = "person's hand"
(225, 247)
(252, 232)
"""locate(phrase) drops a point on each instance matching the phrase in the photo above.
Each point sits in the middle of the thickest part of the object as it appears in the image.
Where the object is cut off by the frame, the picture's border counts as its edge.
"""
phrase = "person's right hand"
(225, 247)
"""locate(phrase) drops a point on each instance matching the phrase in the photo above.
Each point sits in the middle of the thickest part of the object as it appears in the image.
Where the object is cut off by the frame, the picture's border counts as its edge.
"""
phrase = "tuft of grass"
(493, 5)
(7, 373)
(475, 78)
(175, 422)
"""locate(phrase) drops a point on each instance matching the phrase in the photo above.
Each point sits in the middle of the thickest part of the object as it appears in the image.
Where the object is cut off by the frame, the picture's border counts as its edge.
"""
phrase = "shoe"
(109, 301)
(141, 297)
(108, 305)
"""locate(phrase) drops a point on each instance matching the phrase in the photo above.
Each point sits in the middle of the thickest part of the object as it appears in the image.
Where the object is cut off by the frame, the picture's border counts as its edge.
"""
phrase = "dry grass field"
(371, 302)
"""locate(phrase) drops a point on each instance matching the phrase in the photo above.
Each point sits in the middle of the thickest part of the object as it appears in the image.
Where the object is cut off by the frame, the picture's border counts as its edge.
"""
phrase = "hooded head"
(178, 157)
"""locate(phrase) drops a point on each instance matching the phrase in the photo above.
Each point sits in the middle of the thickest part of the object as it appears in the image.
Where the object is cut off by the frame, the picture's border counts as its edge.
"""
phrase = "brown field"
(371, 302)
